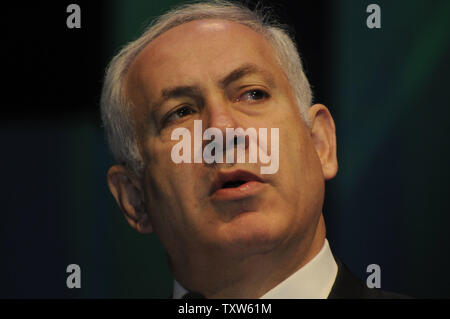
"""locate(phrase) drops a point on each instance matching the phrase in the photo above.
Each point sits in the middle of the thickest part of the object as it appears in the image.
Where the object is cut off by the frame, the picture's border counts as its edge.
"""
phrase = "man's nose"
(222, 117)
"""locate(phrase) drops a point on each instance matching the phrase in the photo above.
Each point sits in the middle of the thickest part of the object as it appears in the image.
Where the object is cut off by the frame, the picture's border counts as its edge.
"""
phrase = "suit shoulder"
(348, 286)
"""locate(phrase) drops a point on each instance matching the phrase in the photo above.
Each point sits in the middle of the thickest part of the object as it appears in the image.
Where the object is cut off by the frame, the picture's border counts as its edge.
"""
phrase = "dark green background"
(387, 89)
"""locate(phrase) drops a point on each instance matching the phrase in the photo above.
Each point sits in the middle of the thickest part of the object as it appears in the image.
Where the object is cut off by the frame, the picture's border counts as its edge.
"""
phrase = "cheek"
(170, 201)
(174, 190)
(300, 171)
(156, 151)
(160, 177)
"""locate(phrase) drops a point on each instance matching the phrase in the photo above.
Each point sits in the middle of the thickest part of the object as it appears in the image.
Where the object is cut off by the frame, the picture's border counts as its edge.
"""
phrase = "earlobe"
(125, 188)
(323, 134)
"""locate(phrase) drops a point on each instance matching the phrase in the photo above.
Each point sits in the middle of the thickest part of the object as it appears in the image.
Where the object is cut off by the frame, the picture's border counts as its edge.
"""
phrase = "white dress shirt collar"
(313, 281)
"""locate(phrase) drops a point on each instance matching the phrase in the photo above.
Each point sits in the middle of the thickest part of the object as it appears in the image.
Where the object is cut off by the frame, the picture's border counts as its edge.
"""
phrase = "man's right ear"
(126, 189)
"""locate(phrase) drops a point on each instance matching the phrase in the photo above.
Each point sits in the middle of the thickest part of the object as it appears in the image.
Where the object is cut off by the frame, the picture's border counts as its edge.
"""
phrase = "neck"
(251, 276)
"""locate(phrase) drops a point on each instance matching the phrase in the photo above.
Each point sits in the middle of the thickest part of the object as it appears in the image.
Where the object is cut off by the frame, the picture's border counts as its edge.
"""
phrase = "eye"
(179, 113)
(252, 96)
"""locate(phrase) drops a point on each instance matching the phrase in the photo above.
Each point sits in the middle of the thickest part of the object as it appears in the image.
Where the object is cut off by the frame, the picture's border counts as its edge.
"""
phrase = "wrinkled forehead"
(210, 46)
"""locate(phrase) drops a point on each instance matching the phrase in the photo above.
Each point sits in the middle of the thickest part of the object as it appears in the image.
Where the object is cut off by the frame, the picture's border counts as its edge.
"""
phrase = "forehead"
(194, 52)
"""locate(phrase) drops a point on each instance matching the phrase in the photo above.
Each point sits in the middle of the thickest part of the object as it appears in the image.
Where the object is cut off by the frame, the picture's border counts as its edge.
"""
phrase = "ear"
(323, 134)
(126, 189)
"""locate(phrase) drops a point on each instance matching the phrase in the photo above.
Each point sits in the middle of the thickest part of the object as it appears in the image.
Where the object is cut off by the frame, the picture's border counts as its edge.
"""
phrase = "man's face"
(226, 75)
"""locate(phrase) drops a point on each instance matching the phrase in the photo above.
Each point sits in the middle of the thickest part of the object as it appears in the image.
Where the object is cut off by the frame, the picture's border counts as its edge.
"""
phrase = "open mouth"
(235, 185)
(232, 184)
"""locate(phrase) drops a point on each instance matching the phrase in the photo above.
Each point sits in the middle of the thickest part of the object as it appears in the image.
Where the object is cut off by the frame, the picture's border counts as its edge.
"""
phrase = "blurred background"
(387, 89)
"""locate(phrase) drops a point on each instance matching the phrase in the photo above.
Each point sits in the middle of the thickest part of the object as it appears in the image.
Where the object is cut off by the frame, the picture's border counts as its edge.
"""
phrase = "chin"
(251, 232)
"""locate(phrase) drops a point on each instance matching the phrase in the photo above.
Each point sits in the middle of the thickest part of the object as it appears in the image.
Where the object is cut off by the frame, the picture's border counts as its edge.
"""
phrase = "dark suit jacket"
(348, 286)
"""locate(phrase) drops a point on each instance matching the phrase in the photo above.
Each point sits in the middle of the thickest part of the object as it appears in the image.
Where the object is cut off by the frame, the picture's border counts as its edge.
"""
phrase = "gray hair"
(116, 109)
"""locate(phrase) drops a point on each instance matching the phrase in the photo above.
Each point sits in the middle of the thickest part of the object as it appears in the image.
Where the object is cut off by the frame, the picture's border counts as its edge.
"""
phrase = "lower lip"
(234, 193)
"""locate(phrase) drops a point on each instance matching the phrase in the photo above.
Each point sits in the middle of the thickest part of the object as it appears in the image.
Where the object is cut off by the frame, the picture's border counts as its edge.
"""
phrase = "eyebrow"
(192, 91)
(180, 91)
(245, 70)
(195, 92)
